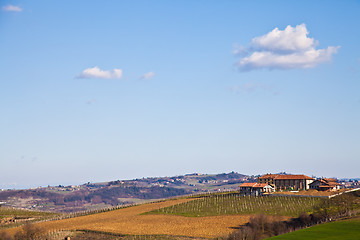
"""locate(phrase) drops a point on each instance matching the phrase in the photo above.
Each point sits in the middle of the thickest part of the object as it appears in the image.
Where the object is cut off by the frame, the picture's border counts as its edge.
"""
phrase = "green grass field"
(342, 230)
(213, 205)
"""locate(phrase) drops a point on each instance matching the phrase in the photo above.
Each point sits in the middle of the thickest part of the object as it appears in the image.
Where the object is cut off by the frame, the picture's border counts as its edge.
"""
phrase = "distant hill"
(91, 196)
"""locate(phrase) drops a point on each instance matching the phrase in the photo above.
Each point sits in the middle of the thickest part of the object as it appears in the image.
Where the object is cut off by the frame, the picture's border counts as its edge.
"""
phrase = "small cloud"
(251, 87)
(96, 72)
(284, 49)
(12, 8)
(148, 75)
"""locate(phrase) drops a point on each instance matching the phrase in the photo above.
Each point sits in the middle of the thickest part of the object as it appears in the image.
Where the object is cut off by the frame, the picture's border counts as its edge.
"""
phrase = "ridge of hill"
(91, 196)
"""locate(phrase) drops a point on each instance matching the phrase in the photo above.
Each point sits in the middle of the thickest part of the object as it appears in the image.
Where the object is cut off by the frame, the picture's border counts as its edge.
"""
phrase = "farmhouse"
(255, 188)
(271, 182)
(325, 184)
(267, 178)
(286, 181)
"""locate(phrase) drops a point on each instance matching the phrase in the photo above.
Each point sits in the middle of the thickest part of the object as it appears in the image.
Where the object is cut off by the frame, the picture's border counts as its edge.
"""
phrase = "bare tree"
(29, 232)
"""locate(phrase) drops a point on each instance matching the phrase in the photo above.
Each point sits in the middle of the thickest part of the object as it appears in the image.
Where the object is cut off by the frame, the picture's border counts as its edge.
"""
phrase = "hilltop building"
(287, 181)
(325, 184)
(256, 188)
(267, 178)
(276, 182)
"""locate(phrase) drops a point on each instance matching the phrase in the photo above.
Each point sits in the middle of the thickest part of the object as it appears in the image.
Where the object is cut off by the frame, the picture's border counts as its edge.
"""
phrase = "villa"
(277, 182)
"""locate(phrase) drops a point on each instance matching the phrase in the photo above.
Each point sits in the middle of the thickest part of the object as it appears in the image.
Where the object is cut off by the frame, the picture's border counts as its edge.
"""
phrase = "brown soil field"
(130, 221)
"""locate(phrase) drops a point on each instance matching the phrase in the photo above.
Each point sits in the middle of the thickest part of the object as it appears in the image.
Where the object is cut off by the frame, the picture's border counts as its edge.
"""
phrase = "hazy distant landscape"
(93, 196)
(219, 215)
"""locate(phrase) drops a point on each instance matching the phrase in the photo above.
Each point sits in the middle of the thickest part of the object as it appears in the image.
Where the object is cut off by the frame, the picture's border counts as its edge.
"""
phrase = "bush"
(29, 232)
(244, 233)
(279, 227)
(5, 236)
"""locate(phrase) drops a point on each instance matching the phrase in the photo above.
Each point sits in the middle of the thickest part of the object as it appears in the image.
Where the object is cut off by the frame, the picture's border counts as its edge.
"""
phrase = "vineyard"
(131, 221)
(227, 204)
(196, 216)
(6, 212)
(10, 217)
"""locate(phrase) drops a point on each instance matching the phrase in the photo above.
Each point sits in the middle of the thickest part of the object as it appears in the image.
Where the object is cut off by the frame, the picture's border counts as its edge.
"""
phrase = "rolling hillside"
(206, 216)
(131, 221)
(92, 196)
(214, 215)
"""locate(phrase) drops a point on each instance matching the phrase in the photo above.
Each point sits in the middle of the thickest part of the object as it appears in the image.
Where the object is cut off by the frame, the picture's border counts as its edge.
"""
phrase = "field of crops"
(12, 217)
(15, 213)
(205, 216)
(12, 212)
(227, 204)
(130, 221)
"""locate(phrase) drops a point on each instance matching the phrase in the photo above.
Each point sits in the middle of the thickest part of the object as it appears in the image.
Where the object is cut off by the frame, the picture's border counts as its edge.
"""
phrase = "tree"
(29, 232)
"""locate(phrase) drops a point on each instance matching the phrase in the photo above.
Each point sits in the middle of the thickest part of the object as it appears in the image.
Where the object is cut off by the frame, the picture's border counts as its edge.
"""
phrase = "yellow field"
(130, 221)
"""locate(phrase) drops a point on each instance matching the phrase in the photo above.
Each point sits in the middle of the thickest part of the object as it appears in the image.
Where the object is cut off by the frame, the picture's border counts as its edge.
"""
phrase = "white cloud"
(290, 39)
(96, 72)
(285, 49)
(148, 75)
(11, 8)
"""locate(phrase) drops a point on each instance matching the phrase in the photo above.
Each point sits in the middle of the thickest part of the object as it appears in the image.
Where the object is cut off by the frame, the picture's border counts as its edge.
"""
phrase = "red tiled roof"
(291, 176)
(260, 185)
(254, 185)
(329, 180)
(269, 176)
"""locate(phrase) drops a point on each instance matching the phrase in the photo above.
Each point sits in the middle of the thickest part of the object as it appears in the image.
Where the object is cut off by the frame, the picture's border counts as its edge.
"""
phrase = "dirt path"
(130, 221)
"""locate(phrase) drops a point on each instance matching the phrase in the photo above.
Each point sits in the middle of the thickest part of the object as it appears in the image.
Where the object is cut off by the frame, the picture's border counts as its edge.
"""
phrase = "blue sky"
(105, 90)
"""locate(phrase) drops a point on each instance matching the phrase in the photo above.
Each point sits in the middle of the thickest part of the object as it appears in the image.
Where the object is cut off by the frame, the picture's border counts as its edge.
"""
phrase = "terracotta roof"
(290, 176)
(248, 184)
(269, 176)
(254, 185)
(327, 182)
(260, 185)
